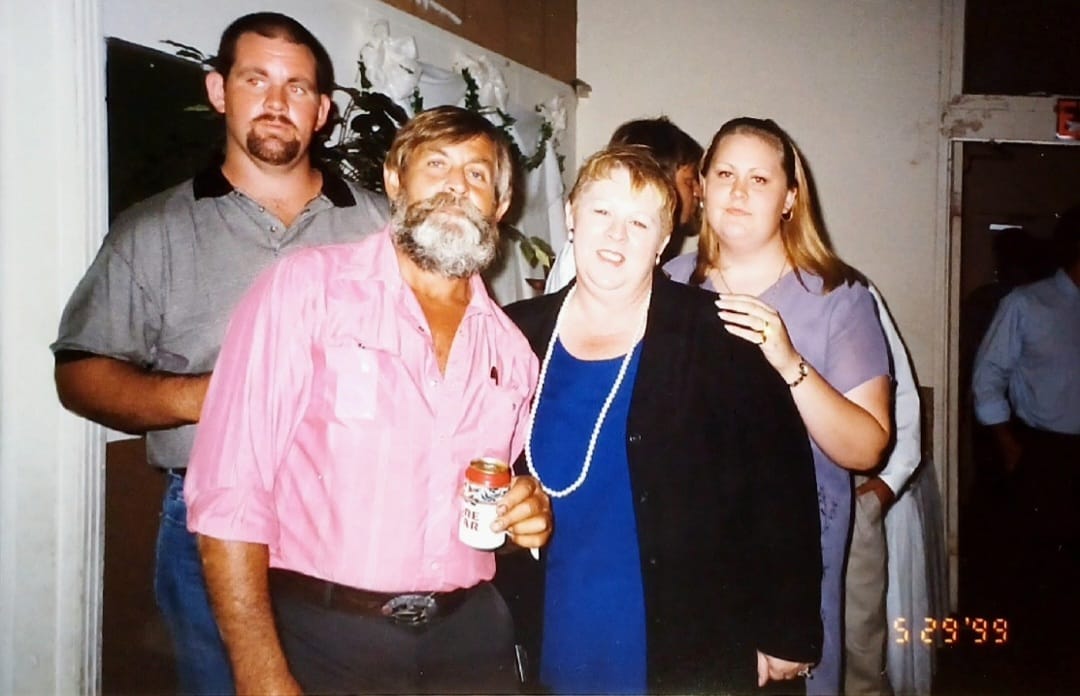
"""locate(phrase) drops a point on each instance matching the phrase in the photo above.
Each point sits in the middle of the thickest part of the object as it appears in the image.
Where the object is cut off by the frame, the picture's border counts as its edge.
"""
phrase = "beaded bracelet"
(804, 370)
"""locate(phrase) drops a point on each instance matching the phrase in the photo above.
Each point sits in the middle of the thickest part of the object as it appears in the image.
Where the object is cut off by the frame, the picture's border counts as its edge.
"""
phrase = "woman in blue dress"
(684, 556)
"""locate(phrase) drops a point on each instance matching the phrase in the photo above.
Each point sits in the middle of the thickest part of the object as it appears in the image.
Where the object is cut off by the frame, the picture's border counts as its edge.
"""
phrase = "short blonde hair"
(452, 124)
(644, 171)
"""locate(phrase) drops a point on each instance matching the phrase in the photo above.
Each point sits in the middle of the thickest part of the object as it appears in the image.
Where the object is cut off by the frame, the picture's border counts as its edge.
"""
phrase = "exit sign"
(1068, 119)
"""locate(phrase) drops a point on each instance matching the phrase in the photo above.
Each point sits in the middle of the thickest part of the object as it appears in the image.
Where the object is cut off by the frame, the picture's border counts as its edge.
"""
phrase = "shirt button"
(262, 209)
(644, 498)
(635, 438)
(652, 560)
(434, 565)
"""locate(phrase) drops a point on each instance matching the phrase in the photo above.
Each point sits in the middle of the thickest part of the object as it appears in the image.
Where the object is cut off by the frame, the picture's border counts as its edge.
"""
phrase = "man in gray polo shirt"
(142, 330)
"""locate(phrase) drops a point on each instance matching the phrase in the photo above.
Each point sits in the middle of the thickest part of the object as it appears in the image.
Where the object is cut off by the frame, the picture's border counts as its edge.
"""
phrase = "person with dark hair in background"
(355, 385)
(679, 155)
(140, 335)
(1026, 388)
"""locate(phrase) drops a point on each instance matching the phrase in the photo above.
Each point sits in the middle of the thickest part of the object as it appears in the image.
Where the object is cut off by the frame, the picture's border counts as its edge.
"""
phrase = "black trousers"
(330, 651)
(1048, 489)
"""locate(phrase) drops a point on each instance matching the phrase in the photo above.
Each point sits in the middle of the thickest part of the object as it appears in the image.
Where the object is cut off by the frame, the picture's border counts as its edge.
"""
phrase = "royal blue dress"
(594, 608)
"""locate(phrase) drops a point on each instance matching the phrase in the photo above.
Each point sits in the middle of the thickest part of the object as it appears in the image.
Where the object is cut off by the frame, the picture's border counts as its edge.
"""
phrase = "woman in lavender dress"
(814, 320)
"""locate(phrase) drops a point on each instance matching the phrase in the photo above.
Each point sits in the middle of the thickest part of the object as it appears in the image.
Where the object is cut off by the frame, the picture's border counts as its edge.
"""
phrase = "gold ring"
(764, 333)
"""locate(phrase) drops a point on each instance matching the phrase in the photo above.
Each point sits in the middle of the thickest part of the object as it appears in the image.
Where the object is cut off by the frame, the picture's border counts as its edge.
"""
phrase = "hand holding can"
(487, 479)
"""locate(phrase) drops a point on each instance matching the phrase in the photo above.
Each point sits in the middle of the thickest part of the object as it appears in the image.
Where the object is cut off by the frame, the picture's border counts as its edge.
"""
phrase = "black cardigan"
(725, 499)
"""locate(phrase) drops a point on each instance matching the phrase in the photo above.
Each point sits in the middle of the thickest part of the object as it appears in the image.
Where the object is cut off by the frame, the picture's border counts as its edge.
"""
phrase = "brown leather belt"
(408, 608)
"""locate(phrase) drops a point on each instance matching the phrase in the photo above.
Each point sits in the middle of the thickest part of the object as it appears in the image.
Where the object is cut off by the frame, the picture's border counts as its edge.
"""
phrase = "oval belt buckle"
(410, 609)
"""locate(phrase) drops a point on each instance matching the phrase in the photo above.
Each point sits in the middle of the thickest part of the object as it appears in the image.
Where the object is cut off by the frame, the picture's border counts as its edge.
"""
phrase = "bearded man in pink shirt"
(355, 384)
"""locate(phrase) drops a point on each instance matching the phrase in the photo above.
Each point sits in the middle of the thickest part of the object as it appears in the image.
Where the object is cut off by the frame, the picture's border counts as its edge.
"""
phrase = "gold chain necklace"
(727, 286)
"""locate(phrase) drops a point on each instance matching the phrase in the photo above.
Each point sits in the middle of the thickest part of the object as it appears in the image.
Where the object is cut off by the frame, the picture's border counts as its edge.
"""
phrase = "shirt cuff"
(993, 412)
(233, 514)
(895, 480)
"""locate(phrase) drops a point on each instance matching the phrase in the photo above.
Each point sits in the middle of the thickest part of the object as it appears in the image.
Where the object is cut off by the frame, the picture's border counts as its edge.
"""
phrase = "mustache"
(274, 118)
(418, 211)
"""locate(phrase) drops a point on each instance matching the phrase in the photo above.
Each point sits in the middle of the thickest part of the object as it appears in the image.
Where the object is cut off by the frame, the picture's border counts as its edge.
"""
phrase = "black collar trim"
(211, 183)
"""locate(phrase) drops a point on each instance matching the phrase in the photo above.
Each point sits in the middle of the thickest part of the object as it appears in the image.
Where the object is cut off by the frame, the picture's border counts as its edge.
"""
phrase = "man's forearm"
(236, 578)
(126, 397)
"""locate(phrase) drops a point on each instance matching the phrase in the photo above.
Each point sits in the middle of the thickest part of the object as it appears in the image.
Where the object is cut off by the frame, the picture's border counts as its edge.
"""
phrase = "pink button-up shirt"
(330, 435)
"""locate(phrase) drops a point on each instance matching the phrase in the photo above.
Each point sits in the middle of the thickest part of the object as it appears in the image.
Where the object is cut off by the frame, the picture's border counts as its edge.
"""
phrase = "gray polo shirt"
(164, 283)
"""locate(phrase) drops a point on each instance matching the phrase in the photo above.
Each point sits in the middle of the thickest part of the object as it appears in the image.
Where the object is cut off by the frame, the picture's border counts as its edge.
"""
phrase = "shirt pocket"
(499, 411)
(353, 381)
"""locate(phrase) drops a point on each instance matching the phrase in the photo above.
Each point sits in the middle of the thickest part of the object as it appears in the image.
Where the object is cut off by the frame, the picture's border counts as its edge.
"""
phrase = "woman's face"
(745, 191)
(618, 233)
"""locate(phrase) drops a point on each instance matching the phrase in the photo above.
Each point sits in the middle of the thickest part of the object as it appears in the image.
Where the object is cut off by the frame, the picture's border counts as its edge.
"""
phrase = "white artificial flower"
(490, 85)
(390, 64)
(554, 112)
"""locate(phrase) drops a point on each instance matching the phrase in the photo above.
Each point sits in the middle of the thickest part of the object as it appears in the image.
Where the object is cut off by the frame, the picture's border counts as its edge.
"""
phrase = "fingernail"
(498, 526)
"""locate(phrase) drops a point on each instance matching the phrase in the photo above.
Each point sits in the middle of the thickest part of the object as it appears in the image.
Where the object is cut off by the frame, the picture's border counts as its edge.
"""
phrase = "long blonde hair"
(801, 234)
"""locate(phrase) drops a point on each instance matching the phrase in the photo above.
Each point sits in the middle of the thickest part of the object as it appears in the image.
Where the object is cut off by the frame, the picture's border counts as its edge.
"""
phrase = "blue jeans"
(202, 664)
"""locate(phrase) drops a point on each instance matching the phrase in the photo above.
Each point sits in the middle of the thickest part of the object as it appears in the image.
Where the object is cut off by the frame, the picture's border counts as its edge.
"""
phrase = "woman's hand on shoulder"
(755, 321)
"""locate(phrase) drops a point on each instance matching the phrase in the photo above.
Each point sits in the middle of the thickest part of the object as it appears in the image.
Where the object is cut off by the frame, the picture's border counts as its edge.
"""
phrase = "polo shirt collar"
(211, 183)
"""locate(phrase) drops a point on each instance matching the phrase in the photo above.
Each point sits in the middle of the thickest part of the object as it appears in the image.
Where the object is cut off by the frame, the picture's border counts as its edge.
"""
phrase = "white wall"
(855, 82)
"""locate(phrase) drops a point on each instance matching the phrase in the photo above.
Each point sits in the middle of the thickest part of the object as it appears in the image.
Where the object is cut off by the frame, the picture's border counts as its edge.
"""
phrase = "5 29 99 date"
(953, 630)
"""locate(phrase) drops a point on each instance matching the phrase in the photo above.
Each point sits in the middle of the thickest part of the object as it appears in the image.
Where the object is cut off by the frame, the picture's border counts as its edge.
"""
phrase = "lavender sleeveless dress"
(840, 335)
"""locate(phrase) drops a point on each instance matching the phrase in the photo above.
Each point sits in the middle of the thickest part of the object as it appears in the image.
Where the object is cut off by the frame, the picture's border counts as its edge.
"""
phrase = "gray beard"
(454, 245)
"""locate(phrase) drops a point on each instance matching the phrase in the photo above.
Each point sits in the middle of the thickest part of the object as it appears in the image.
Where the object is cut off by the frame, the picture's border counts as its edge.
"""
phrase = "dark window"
(1022, 47)
(162, 130)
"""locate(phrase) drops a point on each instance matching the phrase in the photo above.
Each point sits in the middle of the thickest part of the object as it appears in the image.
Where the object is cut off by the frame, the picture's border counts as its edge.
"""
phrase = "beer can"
(487, 479)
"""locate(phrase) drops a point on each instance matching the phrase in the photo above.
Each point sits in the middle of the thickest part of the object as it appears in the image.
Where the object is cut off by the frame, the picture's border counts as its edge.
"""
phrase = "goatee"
(453, 243)
(272, 149)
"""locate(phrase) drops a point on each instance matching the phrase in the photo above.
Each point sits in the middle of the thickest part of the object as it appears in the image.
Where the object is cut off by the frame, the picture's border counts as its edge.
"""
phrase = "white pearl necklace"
(603, 409)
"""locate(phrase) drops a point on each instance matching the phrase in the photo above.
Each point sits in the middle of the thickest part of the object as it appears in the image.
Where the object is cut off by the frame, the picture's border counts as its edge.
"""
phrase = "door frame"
(968, 118)
(53, 186)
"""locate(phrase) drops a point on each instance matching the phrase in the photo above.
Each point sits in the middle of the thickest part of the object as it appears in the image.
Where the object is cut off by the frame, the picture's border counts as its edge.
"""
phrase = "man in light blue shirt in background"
(1026, 387)
(1027, 370)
